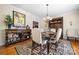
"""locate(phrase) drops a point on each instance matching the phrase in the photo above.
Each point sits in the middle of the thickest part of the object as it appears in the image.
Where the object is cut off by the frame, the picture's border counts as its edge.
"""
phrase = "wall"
(7, 9)
(71, 16)
(43, 24)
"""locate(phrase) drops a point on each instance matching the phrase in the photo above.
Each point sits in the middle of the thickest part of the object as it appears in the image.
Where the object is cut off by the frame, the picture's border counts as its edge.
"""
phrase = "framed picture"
(35, 24)
(19, 19)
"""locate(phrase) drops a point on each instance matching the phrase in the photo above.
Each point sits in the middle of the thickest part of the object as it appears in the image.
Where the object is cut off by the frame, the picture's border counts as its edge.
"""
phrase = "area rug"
(64, 48)
(24, 49)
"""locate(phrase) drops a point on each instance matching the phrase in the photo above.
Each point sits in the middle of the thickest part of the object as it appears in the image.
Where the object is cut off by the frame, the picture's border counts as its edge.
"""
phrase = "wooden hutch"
(56, 23)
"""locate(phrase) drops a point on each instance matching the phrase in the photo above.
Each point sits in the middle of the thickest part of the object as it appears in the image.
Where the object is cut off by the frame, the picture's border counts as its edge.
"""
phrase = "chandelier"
(47, 18)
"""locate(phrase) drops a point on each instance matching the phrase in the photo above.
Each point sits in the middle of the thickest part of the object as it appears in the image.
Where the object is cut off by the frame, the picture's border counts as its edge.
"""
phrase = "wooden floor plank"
(75, 46)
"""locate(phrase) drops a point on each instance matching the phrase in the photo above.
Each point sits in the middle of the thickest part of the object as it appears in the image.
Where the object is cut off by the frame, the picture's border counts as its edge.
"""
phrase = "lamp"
(47, 16)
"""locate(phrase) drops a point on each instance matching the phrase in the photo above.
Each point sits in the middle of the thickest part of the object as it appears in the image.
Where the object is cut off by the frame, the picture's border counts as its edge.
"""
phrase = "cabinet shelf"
(15, 35)
(56, 23)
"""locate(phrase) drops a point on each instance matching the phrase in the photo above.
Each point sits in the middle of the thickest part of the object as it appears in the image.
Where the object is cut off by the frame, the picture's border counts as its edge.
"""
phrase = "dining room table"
(48, 35)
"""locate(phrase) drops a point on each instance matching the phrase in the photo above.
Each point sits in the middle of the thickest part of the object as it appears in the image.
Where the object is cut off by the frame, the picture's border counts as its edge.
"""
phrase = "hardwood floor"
(75, 46)
(10, 50)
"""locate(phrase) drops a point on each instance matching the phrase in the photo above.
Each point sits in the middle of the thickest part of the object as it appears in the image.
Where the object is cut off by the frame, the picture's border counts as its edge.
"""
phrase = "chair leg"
(40, 49)
(48, 47)
(56, 45)
(34, 45)
(67, 38)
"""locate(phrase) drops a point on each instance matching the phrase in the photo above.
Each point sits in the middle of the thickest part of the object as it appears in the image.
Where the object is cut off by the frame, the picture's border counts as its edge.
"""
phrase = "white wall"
(43, 24)
(7, 9)
(71, 16)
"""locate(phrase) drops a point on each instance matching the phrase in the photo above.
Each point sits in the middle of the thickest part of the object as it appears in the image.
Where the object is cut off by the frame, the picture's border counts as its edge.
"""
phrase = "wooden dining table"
(48, 35)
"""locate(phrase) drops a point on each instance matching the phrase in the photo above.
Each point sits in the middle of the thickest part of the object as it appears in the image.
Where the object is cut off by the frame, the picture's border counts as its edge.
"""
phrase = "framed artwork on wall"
(35, 24)
(19, 19)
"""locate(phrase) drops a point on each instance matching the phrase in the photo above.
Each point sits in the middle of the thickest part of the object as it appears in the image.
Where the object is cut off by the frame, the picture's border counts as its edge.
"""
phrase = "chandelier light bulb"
(50, 18)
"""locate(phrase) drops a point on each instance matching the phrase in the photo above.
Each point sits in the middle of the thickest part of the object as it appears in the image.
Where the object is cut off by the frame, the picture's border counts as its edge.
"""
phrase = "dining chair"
(37, 40)
(54, 40)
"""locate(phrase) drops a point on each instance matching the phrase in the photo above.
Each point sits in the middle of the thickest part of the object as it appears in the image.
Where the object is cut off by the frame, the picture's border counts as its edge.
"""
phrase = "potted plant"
(8, 21)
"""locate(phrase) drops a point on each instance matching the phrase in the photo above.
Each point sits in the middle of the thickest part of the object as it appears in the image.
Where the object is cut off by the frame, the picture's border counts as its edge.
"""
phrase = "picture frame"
(35, 24)
(19, 19)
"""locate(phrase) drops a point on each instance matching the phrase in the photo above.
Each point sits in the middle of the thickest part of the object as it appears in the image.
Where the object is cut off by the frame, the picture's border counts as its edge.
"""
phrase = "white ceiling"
(53, 9)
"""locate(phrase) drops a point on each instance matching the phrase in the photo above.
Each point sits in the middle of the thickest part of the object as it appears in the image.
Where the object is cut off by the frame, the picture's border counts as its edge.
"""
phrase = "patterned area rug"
(64, 48)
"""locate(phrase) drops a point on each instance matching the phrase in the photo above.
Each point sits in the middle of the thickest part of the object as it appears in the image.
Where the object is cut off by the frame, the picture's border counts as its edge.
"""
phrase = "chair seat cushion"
(44, 42)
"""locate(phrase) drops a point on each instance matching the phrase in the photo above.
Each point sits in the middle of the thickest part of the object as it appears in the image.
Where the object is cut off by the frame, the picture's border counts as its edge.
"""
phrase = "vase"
(9, 26)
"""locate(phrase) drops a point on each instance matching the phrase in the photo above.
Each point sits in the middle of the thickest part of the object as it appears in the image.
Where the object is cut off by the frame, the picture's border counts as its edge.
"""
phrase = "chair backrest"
(36, 35)
(58, 35)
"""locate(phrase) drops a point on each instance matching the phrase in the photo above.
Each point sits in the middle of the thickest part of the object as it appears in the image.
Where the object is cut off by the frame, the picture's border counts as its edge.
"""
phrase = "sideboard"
(17, 35)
